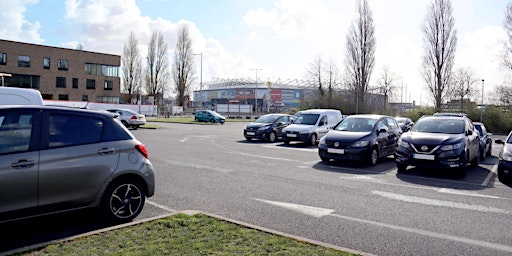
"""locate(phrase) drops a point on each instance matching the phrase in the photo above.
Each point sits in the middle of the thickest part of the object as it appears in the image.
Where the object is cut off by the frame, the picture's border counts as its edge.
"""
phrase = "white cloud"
(261, 17)
(14, 26)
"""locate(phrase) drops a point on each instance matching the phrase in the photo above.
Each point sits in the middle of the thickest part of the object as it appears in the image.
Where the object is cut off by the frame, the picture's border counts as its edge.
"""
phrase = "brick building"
(61, 73)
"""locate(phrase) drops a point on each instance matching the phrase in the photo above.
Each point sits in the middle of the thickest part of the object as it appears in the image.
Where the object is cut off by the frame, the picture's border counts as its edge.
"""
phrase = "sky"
(279, 39)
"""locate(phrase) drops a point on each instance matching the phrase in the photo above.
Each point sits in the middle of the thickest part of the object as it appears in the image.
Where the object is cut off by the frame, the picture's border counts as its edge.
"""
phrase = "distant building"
(61, 73)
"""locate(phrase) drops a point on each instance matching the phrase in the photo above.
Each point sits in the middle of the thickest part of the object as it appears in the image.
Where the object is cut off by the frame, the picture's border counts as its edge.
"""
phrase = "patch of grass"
(190, 120)
(185, 235)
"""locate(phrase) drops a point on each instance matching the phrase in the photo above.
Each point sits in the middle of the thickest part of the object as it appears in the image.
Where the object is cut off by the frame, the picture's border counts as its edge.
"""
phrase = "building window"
(63, 65)
(61, 82)
(101, 70)
(109, 84)
(46, 63)
(63, 97)
(22, 81)
(75, 83)
(91, 84)
(85, 98)
(3, 58)
(23, 61)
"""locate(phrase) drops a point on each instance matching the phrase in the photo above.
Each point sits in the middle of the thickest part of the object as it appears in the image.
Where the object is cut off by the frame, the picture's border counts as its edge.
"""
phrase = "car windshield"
(440, 125)
(309, 119)
(356, 124)
(266, 119)
(479, 128)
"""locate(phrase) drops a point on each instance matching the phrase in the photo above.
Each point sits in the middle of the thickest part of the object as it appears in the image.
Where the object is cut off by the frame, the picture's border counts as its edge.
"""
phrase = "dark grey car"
(55, 159)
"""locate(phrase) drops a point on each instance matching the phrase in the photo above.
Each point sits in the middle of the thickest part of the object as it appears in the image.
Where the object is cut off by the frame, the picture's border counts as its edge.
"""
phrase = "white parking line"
(490, 175)
(161, 206)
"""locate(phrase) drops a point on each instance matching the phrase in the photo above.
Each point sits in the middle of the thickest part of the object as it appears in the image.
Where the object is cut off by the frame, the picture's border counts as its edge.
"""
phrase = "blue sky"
(279, 37)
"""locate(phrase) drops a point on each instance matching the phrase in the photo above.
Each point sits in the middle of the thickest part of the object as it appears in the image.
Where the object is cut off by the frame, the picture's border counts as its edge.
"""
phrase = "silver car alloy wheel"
(125, 200)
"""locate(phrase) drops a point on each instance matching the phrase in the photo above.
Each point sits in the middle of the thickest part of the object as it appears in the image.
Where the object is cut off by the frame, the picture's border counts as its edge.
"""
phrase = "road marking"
(443, 203)
(292, 148)
(464, 193)
(490, 175)
(200, 137)
(322, 212)
(161, 206)
(197, 166)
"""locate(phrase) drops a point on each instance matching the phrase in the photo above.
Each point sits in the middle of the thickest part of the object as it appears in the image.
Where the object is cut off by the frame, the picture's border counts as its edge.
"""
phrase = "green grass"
(182, 234)
(190, 120)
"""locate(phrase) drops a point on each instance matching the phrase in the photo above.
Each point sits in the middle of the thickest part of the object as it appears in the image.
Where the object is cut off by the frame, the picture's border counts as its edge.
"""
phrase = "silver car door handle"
(23, 163)
(106, 151)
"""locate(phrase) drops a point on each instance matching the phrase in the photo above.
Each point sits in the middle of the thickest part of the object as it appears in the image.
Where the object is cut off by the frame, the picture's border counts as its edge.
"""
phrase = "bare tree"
(440, 41)
(157, 71)
(463, 85)
(507, 58)
(315, 75)
(503, 94)
(131, 66)
(361, 52)
(183, 68)
(386, 84)
(325, 77)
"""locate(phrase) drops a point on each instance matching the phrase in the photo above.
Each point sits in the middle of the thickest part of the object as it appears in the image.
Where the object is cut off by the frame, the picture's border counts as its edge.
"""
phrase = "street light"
(2, 75)
(201, 78)
(256, 91)
(482, 103)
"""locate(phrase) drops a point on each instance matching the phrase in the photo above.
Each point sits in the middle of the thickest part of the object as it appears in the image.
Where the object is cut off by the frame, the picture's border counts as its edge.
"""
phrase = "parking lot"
(287, 188)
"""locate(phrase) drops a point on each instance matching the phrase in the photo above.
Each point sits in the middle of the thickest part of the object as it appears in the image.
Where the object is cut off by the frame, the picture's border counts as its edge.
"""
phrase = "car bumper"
(296, 137)
(262, 135)
(445, 160)
(355, 154)
(137, 122)
(505, 170)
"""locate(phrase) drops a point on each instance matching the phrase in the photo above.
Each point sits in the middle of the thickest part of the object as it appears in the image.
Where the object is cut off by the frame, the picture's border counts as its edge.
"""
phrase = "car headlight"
(402, 143)
(304, 132)
(322, 141)
(506, 155)
(452, 146)
(263, 128)
(360, 144)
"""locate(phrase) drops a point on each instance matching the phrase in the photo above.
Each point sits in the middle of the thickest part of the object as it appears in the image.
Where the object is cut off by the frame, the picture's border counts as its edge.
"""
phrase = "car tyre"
(196, 119)
(374, 157)
(312, 139)
(125, 123)
(325, 159)
(123, 200)
(286, 142)
(272, 137)
(248, 139)
(402, 168)
(475, 161)
(212, 121)
(489, 150)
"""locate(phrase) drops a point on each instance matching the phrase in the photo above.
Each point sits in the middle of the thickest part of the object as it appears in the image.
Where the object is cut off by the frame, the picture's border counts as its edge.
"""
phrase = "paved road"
(287, 188)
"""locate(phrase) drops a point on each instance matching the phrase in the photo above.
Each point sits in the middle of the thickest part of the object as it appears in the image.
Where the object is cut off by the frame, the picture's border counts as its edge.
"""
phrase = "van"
(20, 96)
(311, 125)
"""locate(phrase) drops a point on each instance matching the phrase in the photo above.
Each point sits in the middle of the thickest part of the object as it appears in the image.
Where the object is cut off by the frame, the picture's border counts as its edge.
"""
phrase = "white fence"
(233, 108)
(148, 110)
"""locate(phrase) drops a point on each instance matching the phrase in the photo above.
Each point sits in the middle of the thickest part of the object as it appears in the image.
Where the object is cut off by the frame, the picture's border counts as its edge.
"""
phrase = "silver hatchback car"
(56, 159)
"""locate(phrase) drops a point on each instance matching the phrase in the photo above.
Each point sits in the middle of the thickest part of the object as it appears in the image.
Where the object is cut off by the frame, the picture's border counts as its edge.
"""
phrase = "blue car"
(209, 116)
(268, 127)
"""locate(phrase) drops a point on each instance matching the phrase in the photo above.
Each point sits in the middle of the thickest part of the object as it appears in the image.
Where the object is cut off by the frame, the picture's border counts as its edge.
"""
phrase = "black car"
(405, 123)
(505, 163)
(439, 141)
(268, 127)
(361, 138)
(485, 140)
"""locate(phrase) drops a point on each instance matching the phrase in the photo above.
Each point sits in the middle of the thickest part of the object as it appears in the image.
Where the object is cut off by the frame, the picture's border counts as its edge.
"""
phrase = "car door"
(393, 135)
(74, 162)
(279, 124)
(473, 139)
(323, 126)
(19, 159)
(382, 130)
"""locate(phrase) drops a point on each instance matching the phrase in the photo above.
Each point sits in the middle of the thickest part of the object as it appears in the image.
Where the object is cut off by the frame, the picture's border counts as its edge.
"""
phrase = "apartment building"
(61, 73)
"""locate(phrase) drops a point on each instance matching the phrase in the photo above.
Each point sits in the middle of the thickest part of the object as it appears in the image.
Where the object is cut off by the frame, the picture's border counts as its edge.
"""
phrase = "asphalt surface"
(211, 168)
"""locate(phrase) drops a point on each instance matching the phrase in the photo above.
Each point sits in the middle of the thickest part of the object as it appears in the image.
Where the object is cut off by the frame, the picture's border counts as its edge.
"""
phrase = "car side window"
(392, 123)
(71, 130)
(15, 132)
(382, 125)
(323, 121)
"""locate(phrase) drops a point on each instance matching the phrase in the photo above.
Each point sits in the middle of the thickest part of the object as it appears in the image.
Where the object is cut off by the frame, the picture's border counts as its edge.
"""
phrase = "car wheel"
(402, 168)
(247, 138)
(123, 200)
(374, 157)
(325, 159)
(483, 154)
(312, 139)
(502, 178)
(272, 137)
(489, 150)
(475, 161)
(464, 168)
(196, 119)
(286, 142)
(125, 123)
(212, 121)
(135, 127)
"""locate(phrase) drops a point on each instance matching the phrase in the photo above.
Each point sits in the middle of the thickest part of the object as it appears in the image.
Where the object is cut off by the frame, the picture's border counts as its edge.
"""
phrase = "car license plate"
(336, 150)
(251, 133)
(423, 156)
(291, 135)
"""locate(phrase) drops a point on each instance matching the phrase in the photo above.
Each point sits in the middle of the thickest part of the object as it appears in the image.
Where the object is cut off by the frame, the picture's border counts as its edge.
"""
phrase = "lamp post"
(201, 77)
(2, 75)
(482, 103)
(256, 91)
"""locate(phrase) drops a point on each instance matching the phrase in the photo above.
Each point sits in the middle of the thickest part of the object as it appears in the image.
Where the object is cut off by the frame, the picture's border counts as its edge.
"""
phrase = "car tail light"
(142, 149)
(133, 117)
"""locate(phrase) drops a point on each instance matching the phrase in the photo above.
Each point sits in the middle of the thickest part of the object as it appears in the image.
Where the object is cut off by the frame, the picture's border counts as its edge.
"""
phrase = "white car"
(311, 125)
(129, 117)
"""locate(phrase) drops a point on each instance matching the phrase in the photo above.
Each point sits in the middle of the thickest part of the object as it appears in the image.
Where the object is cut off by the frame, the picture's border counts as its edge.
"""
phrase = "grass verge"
(183, 234)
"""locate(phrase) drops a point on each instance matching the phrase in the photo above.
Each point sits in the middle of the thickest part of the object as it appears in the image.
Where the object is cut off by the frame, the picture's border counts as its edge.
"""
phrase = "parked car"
(485, 140)
(268, 127)
(56, 159)
(311, 125)
(20, 96)
(505, 160)
(361, 137)
(209, 116)
(129, 117)
(448, 142)
(405, 123)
